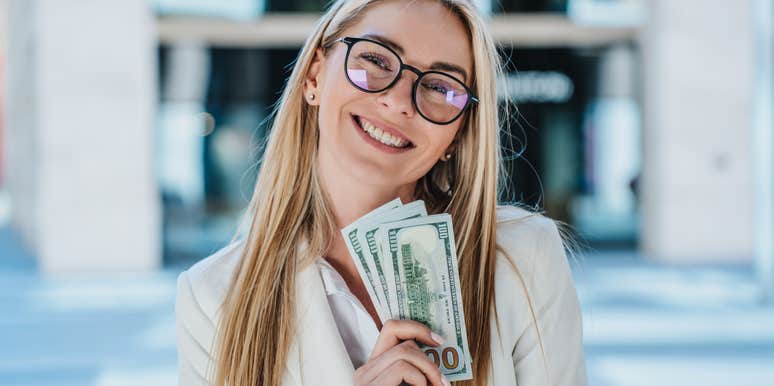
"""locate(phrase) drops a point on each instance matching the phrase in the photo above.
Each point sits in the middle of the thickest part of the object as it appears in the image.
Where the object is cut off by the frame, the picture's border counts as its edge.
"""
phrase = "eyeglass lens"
(372, 67)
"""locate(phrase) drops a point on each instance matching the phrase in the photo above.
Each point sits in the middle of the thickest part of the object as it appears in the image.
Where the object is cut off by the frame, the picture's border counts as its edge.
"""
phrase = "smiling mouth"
(382, 136)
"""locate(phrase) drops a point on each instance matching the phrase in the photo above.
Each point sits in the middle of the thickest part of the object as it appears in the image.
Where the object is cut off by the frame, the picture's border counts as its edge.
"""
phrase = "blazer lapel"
(322, 358)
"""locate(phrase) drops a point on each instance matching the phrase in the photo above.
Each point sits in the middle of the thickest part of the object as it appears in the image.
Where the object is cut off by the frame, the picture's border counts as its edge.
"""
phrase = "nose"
(398, 97)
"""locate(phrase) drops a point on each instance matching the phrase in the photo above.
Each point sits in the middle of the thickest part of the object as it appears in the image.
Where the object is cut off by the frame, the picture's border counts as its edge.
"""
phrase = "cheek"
(328, 114)
(438, 141)
(334, 82)
(336, 93)
(441, 138)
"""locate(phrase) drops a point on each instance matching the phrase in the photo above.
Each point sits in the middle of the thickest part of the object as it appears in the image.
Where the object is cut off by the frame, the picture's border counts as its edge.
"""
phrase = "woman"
(286, 306)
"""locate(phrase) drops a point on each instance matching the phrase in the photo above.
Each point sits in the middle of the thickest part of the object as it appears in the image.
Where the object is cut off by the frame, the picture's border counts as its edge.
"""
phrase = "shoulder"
(538, 313)
(531, 267)
(528, 239)
(200, 293)
(207, 281)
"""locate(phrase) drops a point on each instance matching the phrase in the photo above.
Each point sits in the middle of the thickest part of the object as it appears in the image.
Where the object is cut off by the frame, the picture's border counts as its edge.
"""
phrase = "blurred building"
(137, 125)
(573, 86)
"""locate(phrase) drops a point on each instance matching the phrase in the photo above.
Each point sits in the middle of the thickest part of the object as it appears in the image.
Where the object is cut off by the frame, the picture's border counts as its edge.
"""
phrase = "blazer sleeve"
(550, 350)
(195, 331)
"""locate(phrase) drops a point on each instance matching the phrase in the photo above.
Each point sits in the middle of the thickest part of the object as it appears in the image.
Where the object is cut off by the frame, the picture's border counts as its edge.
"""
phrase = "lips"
(384, 136)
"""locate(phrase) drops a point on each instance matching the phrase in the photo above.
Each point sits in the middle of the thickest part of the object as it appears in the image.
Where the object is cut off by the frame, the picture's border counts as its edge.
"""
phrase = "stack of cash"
(408, 263)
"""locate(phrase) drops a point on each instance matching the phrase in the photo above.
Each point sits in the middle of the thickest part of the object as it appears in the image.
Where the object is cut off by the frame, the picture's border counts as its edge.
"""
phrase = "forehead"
(428, 32)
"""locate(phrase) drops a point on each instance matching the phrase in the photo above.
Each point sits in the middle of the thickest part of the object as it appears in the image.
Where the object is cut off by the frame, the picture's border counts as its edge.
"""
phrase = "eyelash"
(437, 88)
(368, 56)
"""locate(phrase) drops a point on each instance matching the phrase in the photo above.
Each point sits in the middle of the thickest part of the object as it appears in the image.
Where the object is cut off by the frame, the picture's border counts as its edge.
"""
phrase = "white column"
(697, 190)
(763, 145)
(4, 196)
(81, 97)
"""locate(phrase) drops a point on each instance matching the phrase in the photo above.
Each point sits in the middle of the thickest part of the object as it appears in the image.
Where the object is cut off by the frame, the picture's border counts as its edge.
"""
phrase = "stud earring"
(446, 157)
(311, 96)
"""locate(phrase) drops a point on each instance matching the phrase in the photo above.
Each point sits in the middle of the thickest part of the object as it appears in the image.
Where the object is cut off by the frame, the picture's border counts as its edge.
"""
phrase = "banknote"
(420, 261)
(358, 253)
(367, 236)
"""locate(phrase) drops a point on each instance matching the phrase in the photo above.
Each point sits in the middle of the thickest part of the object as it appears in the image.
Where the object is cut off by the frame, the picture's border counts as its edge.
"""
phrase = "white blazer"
(539, 341)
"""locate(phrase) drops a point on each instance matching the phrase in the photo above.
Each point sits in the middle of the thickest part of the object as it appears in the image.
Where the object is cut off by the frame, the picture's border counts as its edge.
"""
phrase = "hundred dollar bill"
(421, 255)
(358, 253)
(367, 237)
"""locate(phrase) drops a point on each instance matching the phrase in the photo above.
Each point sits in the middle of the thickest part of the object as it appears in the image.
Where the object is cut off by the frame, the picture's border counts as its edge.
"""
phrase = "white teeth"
(381, 136)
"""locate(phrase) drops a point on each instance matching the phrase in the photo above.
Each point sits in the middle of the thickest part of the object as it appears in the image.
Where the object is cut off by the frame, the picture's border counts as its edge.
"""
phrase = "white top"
(536, 339)
(357, 328)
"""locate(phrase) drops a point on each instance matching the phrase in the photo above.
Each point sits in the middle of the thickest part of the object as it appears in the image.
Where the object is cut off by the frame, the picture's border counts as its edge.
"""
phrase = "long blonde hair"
(289, 208)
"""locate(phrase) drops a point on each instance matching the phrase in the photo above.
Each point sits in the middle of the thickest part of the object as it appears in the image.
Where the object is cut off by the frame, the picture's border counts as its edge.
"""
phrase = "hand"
(397, 358)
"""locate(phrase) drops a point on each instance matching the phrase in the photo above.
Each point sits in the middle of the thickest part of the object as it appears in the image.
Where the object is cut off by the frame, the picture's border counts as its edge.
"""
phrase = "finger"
(395, 331)
(398, 372)
(412, 344)
(409, 352)
(374, 366)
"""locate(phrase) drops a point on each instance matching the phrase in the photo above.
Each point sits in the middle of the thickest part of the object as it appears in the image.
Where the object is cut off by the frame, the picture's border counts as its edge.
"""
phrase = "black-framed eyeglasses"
(373, 67)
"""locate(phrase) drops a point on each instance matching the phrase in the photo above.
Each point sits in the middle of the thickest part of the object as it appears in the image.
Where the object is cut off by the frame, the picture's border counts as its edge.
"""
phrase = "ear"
(312, 80)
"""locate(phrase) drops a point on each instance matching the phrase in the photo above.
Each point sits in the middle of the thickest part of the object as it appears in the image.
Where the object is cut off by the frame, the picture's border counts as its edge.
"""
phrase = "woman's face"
(426, 33)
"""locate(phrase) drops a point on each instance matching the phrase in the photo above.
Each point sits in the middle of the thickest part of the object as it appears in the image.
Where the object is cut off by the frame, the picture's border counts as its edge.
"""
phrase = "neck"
(351, 198)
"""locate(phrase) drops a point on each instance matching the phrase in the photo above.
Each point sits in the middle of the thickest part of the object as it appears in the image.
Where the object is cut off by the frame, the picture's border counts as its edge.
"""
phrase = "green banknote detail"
(418, 294)
(358, 249)
(373, 246)
(426, 286)
(370, 240)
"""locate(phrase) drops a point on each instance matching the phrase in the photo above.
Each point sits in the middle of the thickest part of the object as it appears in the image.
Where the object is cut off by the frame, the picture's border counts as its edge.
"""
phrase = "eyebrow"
(438, 66)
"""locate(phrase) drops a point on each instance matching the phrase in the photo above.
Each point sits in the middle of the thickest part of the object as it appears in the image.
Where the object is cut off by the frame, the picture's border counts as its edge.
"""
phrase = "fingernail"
(445, 381)
(439, 339)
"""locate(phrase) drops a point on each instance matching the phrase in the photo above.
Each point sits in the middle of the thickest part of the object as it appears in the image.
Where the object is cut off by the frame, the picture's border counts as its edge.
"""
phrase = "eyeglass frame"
(351, 41)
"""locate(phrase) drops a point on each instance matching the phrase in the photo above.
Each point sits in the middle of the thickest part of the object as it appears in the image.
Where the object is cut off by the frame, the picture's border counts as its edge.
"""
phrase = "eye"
(376, 59)
(437, 86)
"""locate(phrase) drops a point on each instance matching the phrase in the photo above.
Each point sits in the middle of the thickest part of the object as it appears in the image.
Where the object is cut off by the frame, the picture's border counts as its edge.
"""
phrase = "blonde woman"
(285, 305)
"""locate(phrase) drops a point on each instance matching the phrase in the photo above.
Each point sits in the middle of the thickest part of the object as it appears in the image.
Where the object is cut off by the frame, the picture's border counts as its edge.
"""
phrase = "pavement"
(652, 324)
(644, 324)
